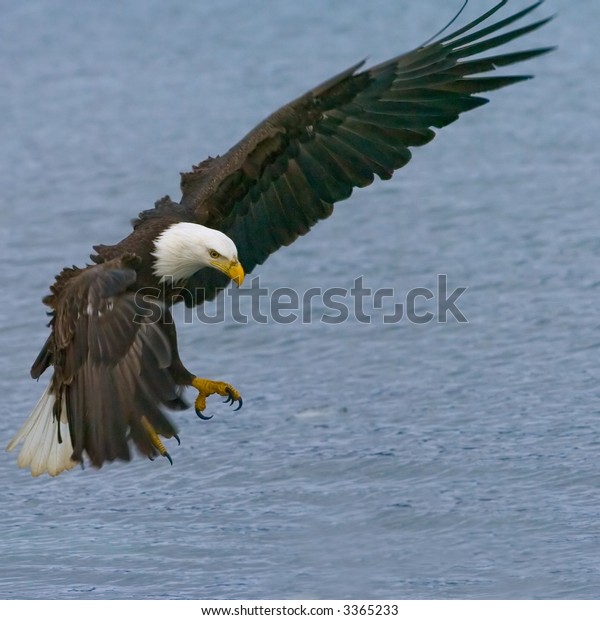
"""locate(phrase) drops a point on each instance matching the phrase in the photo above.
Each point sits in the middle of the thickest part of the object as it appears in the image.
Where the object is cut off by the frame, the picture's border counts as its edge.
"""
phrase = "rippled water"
(390, 461)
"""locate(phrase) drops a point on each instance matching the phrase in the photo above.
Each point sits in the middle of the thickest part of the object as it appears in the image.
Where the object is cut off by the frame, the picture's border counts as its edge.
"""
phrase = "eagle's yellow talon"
(206, 388)
(156, 440)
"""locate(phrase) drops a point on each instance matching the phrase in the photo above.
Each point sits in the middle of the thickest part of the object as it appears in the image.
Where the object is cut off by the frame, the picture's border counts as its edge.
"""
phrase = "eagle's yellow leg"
(156, 440)
(206, 388)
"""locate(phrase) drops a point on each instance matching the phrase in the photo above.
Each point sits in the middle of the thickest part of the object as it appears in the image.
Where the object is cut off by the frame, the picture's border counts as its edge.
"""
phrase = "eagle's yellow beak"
(232, 268)
(236, 272)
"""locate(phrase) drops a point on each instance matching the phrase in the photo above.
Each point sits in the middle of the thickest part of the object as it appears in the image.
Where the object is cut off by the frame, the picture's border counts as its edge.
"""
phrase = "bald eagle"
(116, 368)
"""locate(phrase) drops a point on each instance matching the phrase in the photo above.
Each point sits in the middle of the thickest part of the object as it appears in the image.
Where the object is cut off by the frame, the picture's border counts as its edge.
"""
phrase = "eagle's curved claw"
(206, 388)
(156, 440)
(234, 397)
(231, 399)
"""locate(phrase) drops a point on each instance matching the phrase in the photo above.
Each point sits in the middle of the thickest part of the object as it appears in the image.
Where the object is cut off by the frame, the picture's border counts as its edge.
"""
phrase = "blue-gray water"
(388, 461)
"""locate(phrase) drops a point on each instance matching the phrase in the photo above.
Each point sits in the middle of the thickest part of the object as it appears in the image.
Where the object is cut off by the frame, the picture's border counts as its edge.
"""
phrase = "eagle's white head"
(184, 248)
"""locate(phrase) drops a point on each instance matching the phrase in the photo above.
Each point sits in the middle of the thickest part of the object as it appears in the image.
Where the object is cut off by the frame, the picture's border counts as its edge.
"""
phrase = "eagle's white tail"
(41, 451)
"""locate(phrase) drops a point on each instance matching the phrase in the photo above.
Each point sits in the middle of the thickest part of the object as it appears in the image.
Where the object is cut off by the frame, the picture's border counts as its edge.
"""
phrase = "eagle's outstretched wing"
(287, 173)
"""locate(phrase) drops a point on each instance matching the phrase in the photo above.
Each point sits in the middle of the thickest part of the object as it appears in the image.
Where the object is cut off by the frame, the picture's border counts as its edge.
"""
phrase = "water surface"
(389, 461)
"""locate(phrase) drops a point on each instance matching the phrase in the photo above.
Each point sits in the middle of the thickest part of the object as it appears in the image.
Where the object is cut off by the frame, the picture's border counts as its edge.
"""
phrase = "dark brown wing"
(287, 173)
(111, 357)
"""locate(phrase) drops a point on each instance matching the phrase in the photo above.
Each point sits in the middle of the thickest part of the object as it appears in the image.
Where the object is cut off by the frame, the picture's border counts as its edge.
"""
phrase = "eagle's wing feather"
(112, 358)
(287, 173)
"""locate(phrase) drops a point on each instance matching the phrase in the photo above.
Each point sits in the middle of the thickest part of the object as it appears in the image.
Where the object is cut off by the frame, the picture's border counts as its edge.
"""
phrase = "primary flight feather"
(114, 353)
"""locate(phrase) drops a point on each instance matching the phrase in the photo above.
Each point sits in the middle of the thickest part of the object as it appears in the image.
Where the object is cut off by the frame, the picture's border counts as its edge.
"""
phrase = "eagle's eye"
(214, 254)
